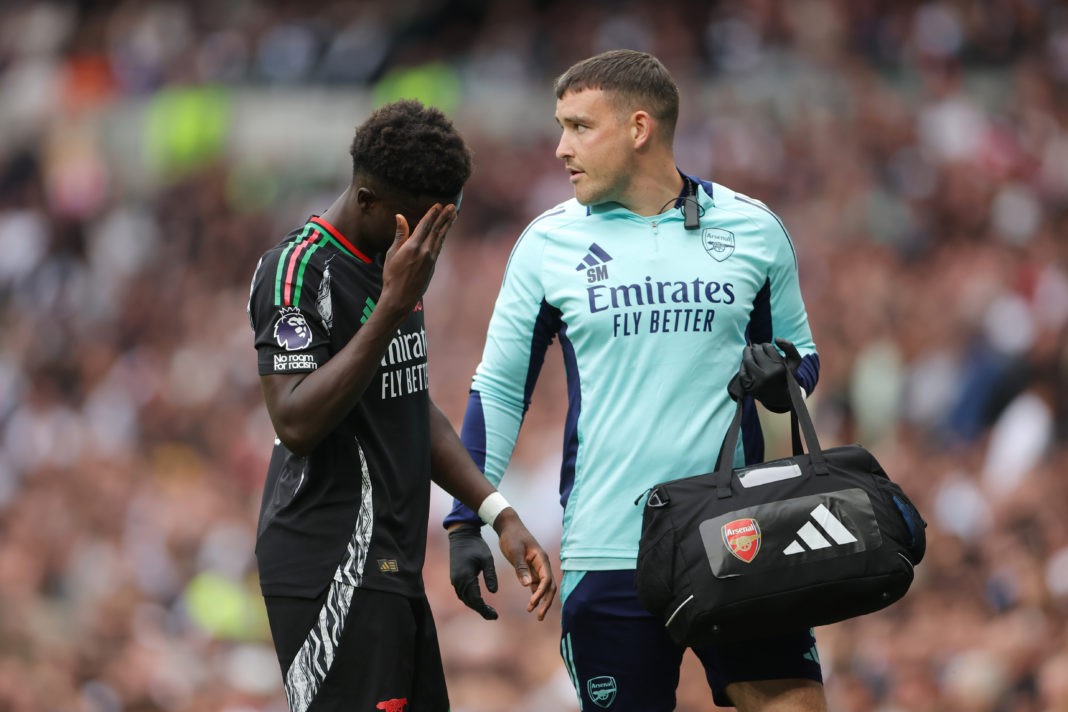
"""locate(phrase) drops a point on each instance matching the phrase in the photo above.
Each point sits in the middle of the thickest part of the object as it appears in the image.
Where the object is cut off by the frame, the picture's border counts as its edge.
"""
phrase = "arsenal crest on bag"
(784, 545)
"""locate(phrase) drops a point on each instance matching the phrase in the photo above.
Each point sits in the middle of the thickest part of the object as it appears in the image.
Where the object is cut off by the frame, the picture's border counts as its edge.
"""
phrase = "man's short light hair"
(636, 79)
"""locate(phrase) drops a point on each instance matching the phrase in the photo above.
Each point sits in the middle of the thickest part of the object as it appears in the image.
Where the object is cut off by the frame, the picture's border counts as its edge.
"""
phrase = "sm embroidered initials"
(594, 263)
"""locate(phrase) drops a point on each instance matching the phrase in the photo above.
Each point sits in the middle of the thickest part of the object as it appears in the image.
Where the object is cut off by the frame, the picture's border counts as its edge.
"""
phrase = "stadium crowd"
(150, 151)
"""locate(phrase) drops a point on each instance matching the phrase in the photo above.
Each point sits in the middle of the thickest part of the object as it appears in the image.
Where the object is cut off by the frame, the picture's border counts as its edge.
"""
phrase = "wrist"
(389, 314)
(491, 507)
(506, 517)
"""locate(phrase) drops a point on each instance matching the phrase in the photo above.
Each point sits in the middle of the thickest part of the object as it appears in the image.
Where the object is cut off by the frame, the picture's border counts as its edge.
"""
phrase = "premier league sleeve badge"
(292, 331)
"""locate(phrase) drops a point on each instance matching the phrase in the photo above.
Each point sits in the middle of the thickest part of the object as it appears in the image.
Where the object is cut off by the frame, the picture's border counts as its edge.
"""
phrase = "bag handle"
(800, 420)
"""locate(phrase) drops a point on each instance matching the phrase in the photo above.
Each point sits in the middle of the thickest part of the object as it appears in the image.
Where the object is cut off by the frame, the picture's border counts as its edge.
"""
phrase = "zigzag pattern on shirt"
(316, 656)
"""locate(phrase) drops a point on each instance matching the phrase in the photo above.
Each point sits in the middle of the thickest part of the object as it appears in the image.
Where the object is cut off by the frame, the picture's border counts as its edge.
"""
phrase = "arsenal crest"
(742, 538)
(602, 690)
(719, 244)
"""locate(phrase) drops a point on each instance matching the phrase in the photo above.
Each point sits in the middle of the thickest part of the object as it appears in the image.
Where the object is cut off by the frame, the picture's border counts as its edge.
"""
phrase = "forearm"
(451, 466)
(489, 434)
(305, 410)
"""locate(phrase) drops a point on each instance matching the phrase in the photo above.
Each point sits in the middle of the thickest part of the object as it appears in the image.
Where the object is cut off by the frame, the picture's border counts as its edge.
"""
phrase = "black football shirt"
(354, 510)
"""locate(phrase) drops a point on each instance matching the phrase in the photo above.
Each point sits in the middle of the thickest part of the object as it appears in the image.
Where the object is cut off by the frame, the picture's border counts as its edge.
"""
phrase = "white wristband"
(491, 507)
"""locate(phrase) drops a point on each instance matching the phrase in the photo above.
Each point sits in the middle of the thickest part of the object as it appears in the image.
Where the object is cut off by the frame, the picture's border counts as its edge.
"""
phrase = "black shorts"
(357, 649)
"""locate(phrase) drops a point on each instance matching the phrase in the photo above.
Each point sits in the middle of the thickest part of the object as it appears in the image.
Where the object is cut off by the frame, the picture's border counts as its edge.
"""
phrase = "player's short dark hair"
(414, 149)
(639, 81)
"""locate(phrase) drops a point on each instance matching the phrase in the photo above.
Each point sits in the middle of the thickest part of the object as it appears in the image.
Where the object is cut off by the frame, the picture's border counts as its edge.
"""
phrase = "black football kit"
(351, 515)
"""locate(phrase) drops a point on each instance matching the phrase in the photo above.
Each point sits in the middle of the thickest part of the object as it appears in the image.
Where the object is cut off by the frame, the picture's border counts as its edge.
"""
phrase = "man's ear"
(365, 199)
(641, 128)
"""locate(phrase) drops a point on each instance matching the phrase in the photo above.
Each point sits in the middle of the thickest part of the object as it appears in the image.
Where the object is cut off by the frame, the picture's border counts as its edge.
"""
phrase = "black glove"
(468, 555)
(763, 374)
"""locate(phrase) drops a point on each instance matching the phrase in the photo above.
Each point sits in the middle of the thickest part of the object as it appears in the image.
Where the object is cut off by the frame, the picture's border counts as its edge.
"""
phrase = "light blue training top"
(652, 319)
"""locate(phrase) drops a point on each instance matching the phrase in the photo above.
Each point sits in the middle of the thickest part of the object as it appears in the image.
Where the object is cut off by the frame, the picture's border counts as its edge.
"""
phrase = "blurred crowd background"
(151, 150)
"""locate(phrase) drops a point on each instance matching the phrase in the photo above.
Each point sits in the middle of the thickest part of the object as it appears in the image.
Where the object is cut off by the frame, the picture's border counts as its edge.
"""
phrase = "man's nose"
(563, 148)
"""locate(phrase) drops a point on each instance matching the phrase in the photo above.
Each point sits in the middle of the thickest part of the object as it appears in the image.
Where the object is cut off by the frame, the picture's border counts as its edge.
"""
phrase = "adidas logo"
(594, 263)
(813, 536)
(368, 307)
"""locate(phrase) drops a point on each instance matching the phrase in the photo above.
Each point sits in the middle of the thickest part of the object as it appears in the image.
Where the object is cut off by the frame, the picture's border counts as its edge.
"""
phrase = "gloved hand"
(763, 374)
(469, 555)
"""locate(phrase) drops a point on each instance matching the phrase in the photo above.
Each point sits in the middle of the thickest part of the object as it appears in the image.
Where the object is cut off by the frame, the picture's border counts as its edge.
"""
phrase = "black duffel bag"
(776, 547)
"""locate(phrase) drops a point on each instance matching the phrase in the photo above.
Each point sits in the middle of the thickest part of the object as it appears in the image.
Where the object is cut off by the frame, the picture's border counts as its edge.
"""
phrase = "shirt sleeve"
(520, 331)
(789, 319)
(286, 312)
(779, 310)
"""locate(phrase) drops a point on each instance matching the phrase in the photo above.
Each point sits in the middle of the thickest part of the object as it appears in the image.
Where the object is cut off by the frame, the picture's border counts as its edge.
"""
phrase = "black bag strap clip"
(657, 498)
